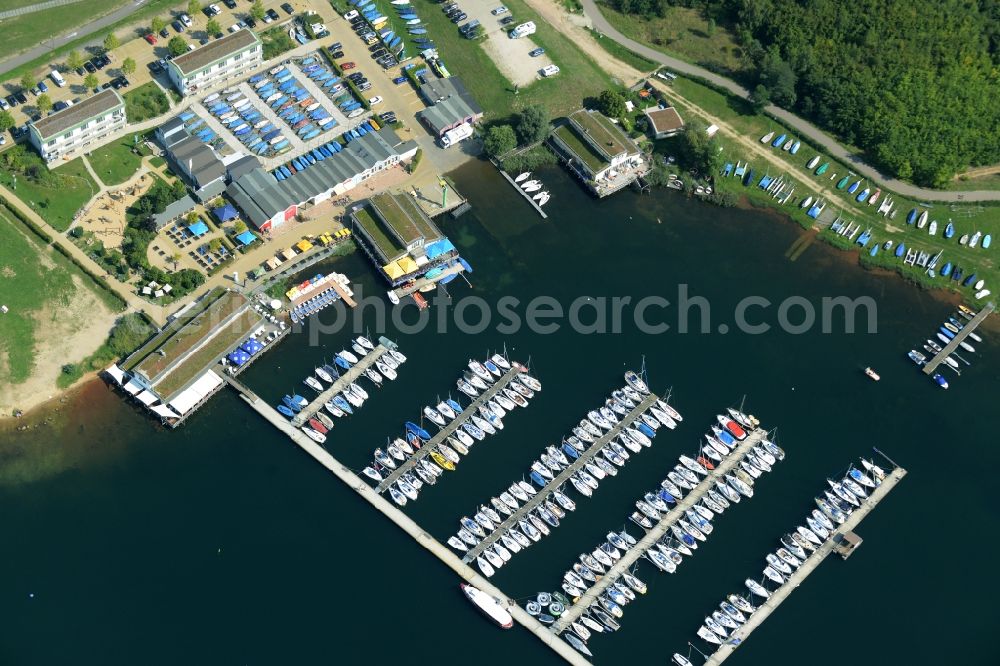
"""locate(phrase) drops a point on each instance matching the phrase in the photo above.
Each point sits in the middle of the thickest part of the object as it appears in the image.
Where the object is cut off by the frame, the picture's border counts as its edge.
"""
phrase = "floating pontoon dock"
(421, 282)
(348, 376)
(560, 479)
(810, 564)
(962, 334)
(658, 531)
(449, 428)
(526, 195)
(405, 523)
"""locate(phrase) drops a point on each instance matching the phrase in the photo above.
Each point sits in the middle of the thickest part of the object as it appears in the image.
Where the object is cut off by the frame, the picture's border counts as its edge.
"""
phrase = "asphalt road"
(803, 127)
(96, 25)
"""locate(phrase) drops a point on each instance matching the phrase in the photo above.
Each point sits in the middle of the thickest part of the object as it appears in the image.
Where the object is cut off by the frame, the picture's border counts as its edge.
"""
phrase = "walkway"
(960, 337)
(342, 381)
(658, 532)
(37, 7)
(800, 125)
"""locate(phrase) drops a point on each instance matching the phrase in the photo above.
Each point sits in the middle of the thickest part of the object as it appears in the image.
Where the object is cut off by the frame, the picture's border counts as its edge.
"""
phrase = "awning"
(115, 373)
(304, 245)
(133, 387)
(188, 398)
(246, 238)
(165, 411)
(225, 213)
(147, 398)
(408, 265)
(199, 228)
(393, 270)
(438, 248)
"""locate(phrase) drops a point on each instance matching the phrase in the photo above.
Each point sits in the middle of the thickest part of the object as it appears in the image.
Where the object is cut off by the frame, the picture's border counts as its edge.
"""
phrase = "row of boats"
(686, 530)
(529, 186)
(467, 426)
(351, 397)
(834, 506)
(945, 334)
(542, 509)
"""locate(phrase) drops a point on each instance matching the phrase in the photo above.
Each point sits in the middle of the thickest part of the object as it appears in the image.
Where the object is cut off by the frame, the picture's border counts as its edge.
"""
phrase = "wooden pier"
(421, 282)
(407, 524)
(799, 575)
(448, 429)
(962, 334)
(350, 375)
(563, 477)
(526, 195)
(658, 532)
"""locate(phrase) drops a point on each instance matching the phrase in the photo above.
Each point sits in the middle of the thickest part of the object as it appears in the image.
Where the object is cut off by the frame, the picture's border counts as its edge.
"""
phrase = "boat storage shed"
(450, 105)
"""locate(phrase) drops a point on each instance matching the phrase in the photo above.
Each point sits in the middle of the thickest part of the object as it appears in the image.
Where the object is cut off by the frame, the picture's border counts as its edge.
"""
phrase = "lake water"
(223, 543)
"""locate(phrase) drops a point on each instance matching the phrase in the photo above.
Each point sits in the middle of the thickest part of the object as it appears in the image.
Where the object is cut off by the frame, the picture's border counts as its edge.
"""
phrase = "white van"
(57, 78)
(523, 30)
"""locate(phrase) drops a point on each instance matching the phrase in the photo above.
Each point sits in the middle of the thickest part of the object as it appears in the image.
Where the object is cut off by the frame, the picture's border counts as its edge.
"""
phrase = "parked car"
(90, 67)
(178, 26)
(150, 37)
(4, 105)
(507, 20)
(365, 86)
(164, 33)
(337, 54)
(499, 10)
(399, 80)
(155, 66)
(458, 18)
(229, 3)
(12, 100)
(288, 8)
(250, 22)
(35, 91)
(185, 19)
(336, 46)
(80, 71)
(3, 140)
(273, 15)
(42, 86)
(21, 97)
(351, 15)
(375, 101)
(347, 65)
(212, 10)
(534, 53)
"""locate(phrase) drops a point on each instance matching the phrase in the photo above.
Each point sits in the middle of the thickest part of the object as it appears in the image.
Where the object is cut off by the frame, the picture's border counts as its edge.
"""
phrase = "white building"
(78, 128)
(220, 60)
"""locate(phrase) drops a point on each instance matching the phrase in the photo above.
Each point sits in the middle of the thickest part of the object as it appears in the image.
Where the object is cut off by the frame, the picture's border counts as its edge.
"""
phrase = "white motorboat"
(757, 588)
(434, 416)
(348, 356)
(708, 635)
(633, 380)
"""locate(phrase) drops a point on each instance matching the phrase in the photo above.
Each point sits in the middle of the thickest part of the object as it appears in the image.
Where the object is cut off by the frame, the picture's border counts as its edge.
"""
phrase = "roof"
(246, 238)
(445, 113)
(242, 166)
(173, 125)
(436, 90)
(403, 218)
(215, 51)
(174, 210)
(260, 196)
(198, 159)
(199, 228)
(580, 148)
(664, 120)
(598, 130)
(79, 113)
(225, 213)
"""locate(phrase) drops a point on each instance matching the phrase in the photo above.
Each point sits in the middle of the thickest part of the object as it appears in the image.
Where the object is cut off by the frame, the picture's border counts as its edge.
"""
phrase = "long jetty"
(407, 524)
(658, 531)
(561, 478)
(527, 195)
(962, 334)
(349, 376)
(449, 428)
(807, 567)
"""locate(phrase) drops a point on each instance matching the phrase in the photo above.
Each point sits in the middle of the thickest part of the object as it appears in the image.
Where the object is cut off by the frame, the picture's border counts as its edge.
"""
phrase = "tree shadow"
(698, 33)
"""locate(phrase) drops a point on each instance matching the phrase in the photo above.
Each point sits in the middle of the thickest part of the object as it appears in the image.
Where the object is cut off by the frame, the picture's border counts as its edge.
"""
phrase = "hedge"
(37, 230)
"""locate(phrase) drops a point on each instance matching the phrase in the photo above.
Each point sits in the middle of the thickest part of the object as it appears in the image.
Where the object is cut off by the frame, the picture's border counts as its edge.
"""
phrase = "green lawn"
(24, 32)
(967, 218)
(579, 78)
(145, 102)
(683, 33)
(276, 41)
(55, 195)
(114, 163)
(27, 286)
(621, 53)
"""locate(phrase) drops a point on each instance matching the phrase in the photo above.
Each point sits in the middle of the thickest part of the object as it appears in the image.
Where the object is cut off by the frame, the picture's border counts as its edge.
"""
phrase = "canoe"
(843, 182)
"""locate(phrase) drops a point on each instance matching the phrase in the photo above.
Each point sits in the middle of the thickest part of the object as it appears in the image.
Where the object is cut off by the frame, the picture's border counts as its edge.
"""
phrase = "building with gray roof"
(450, 105)
(230, 57)
(83, 126)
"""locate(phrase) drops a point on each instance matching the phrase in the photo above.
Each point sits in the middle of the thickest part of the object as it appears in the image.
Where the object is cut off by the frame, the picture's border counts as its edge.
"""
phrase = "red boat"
(732, 426)
(706, 463)
(420, 300)
(317, 426)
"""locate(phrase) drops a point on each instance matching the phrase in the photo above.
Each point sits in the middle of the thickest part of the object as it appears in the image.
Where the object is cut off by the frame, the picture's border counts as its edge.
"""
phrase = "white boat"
(434, 416)
(708, 635)
(364, 342)
(531, 183)
(544, 199)
(313, 383)
(314, 435)
(633, 380)
(932, 229)
(348, 356)
(531, 187)
(522, 176)
(540, 195)
(813, 162)
(757, 588)
(393, 298)
(324, 375)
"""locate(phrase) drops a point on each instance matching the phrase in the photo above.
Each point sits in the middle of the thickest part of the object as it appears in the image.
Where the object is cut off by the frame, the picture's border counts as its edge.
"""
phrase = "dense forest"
(914, 84)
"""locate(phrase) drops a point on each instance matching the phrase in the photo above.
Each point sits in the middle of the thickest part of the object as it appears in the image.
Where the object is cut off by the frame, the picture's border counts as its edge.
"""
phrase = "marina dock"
(407, 524)
(659, 530)
(347, 377)
(448, 429)
(526, 195)
(931, 366)
(560, 479)
(421, 282)
(799, 575)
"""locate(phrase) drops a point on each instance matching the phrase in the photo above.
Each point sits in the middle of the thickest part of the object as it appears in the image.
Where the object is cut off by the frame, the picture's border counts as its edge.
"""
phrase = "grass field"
(55, 195)
(579, 78)
(115, 163)
(145, 102)
(621, 53)
(24, 32)
(682, 33)
(26, 286)
(967, 218)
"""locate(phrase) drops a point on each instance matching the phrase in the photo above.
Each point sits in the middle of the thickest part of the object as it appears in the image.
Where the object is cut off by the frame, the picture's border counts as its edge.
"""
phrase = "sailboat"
(522, 176)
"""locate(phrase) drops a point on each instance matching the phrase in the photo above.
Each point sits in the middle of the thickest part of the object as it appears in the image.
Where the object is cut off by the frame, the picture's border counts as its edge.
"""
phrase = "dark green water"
(222, 543)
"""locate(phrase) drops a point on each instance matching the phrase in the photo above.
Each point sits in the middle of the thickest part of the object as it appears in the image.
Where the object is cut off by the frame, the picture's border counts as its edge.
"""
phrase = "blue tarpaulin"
(199, 228)
(251, 346)
(438, 248)
(225, 213)
(246, 238)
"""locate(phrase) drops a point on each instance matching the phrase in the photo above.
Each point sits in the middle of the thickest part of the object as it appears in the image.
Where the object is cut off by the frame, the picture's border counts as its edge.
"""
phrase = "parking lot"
(512, 56)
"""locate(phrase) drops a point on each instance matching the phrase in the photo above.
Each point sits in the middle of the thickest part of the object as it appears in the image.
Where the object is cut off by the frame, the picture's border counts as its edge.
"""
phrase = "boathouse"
(399, 238)
(663, 122)
(598, 151)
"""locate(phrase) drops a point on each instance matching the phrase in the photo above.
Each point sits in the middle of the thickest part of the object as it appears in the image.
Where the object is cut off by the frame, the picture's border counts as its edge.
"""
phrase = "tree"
(612, 103)
(194, 6)
(533, 124)
(128, 66)
(74, 60)
(158, 24)
(90, 81)
(257, 10)
(111, 42)
(696, 150)
(177, 46)
(191, 217)
(214, 244)
(779, 79)
(175, 259)
(6, 121)
(760, 97)
(500, 139)
(44, 103)
(28, 81)
(213, 27)
(240, 226)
